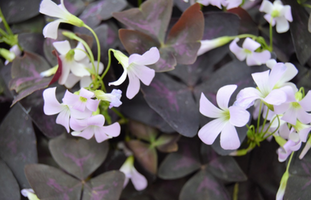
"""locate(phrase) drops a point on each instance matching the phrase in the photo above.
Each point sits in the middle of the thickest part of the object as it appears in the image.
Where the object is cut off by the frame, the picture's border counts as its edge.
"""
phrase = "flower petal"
(223, 95)
(266, 7)
(238, 116)
(246, 97)
(65, 70)
(63, 118)
(100, 134)
(250, 44)
(50, 8)
(208, 109)
(148, 58)
(282, 25)
(51, 104)
(229, 139)
(112, 130)
(121, 79)
(62, 47)
(275, 97)
(78, 69)
(145, 74)
(96, 120)
(305, 102)
(79, 52)
(238, 51)
(138, 180)
(258, 58)
(78, 125)
(71, 80)
(87, 133)
(209, 132)
(133, 87)
(50, 30)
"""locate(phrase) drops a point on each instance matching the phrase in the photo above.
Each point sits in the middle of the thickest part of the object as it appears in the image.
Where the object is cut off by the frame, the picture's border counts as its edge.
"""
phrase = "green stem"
(259, 115)
(98, 45)
(264, 122)
(120, 115)
(139, 2)
(108, 65)
(6, 25)
(3, 32)
(271, 35)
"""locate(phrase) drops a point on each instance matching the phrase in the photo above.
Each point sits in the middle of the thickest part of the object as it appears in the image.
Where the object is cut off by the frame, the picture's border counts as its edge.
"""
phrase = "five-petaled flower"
(134, 67)
(226, 119)
(277, 14)
(50, 8)
(248, 52)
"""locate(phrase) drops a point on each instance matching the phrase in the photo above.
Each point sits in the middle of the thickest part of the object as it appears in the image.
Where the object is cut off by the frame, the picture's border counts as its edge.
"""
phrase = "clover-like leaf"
(174, 102)
(181, 163)
(182, 41)
(107, 186)
(247, 23)
(143, 131)
(78, 157)
(18, 143)
(167, 143)
(8, 184)
(203, 185)
(51, 183)
(145, 154)
(26, 77)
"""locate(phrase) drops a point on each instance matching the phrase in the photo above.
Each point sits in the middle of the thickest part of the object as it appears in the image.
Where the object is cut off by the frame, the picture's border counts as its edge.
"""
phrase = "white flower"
(113, 97)
(248, 52)
(217, 3)
(232, 3)
(30, 194)
(138, 180)
(226, 119)
(134, 67)
(277, 14)
(50, 8)
(16, 52)
(207, 45)
(70, 60)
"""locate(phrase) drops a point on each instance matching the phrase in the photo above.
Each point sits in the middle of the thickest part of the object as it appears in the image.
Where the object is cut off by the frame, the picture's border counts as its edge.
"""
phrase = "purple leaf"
(107, 186)
(174, 102)
(78, 157)
(145, 154)
(203, 185)
(26, 77)
(8, 184)
(52, 183)
(167, 143)
(143, 131)
(18, 143)
(182, 162)
(247, 23)
(152, 18)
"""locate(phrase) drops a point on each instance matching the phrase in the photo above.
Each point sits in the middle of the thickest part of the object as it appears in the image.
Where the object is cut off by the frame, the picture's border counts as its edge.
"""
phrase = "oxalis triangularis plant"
(222, 111)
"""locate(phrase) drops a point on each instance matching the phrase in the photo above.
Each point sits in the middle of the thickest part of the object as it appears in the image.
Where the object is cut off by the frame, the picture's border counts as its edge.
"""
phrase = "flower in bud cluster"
(248, 51)
(50, 8)
(138, 180)
(13, 52)
(293, 144)
(207, 45)
(70, 60)
(113, 97)
(217, 3)
(134, 67)
(226, 119)
(277, 14)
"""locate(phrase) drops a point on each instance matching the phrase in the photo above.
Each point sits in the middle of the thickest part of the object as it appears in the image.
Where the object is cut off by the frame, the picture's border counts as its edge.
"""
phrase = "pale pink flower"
(134, 67)
(83, 101)
(217, 3)
(277, 14)
(138, 180)
(207, 45)
(113, 97)
(226, 119)
(232, 3)
(293, 144)
(94, 125)
(248, 52)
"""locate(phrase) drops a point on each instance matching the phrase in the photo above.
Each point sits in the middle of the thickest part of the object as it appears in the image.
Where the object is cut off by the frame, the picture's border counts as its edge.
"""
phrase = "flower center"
(275, 13)
(70, 55)
(295, 105)
(83, 99)
(247, 51)
(226, 115)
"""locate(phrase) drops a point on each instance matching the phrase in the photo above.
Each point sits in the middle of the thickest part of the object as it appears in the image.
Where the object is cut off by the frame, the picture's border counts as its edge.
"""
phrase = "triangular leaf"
(143, 131)
(8, 185)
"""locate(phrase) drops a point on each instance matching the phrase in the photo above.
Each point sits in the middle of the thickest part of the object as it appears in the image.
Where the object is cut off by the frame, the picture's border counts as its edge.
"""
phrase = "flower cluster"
(80, 113)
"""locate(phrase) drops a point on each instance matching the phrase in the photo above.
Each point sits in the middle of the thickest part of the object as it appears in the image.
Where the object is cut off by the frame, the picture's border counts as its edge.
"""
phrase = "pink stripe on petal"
(229, 139)
(133, 87)
(238, 116)
(223, 95)
(138, 180)
(209, 132)
(208, 109)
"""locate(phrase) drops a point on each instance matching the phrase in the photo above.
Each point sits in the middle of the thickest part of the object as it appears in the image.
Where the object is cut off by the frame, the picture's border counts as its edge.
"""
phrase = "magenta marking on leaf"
(186, 161)
(211, 33)
(207, 183)
(305, 168)
(12, 146)
(98, 195)
(79, 161)
(52, 183)
(166, 93)
(115, 184)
